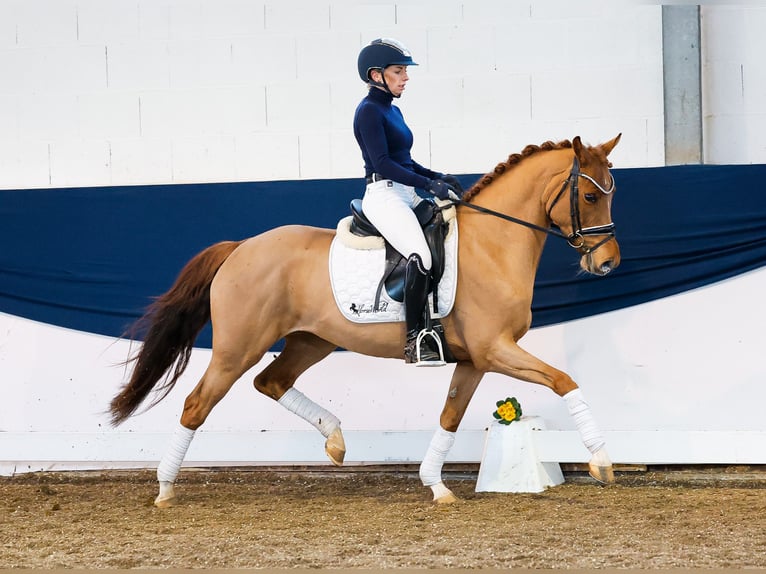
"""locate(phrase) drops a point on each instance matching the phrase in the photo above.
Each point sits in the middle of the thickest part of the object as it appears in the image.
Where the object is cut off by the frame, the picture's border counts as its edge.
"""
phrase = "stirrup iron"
(428, 332)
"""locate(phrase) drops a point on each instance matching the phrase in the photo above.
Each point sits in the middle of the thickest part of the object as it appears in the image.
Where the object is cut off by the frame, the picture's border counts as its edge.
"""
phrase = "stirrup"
(438, 362)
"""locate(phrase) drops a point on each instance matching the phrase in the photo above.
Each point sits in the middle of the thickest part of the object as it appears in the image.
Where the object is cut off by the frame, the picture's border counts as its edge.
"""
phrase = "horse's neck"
(520, 193)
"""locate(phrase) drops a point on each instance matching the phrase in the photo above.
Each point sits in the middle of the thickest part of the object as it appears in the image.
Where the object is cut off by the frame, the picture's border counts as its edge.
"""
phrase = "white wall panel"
(345, 96)
(47, 23)
(734, 83)
(296, 16)
(356, 16)
(202, 112)
(266, 59)
(154, 19)
(491, 12)
(320, 55)
(46, 71)
(346, 158)
(298, 106)
(586, 98)
(9, 116)
(268, 156)
(185, 18)
(8, 25)
(99, 22)
(203, 158)
(532, 46)
(108, 115)
(25, 162)
(496, 100)
(47, 116)
(141, 160)
(454, 51)
(227, 18)
(455, 150)
(79, 162)
(315, 155)
(202, 63)
(727, 135)
(432, 101)
(426, 15)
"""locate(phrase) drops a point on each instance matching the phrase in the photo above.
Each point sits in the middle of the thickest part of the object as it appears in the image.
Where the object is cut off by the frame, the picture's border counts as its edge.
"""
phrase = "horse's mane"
(512, 161)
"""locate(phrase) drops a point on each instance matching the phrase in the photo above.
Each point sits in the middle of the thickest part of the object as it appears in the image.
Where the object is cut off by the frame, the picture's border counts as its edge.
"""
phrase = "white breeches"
(388, 205)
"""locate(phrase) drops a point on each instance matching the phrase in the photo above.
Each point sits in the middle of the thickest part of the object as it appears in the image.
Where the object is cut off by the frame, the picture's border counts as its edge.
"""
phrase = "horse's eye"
(591, 197)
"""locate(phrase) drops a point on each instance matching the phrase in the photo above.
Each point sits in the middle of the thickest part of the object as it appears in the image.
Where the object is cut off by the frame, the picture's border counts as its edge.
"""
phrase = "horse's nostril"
(606, 267)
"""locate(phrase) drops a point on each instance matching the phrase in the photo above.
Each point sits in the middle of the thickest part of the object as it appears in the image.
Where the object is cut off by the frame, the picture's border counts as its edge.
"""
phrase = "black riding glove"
(440, 188)
(455, 183)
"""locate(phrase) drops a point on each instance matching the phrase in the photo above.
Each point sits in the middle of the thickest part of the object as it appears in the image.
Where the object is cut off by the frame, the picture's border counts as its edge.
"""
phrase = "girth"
(434, 229)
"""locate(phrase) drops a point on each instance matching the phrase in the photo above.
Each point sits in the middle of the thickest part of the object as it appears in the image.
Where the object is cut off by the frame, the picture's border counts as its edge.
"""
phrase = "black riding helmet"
(380, 54)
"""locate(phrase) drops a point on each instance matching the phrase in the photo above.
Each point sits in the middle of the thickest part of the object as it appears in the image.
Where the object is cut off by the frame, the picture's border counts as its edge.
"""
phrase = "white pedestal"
(510, 462)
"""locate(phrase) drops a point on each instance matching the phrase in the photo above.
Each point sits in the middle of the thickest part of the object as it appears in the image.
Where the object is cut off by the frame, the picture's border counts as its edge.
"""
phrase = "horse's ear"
(609, 146)
(577, 146)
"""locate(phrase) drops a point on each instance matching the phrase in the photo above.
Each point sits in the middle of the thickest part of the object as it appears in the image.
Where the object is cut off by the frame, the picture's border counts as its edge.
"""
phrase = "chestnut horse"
(277, 285)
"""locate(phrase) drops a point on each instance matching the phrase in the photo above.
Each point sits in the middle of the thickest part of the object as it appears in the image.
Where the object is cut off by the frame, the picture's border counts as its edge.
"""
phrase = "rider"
(392, 176)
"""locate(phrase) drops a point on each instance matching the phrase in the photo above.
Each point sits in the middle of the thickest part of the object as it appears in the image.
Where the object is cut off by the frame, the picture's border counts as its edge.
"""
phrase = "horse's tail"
(171, 325)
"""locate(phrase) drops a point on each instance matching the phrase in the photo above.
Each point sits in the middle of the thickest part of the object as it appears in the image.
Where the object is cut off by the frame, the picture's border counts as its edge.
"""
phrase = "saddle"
(434, 229)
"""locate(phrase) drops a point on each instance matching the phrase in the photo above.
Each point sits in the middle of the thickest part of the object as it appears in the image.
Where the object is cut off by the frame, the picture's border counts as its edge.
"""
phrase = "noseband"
(577, 238)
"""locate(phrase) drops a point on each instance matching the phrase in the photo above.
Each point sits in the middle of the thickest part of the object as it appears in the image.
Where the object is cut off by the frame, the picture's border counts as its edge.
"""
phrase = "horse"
(276, 285)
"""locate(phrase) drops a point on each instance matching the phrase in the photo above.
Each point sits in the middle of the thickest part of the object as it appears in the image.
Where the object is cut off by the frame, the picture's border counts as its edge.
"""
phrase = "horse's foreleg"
(276, 381)
(510, 359)
(465, 379)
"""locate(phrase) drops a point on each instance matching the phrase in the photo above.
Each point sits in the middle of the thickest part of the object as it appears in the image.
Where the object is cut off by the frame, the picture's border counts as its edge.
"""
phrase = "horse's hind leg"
(465, 379)
(220, 375)
(302, 350)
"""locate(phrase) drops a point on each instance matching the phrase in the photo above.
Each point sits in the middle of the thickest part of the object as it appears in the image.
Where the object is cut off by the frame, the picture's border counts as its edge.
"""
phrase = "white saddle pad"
(356, 267)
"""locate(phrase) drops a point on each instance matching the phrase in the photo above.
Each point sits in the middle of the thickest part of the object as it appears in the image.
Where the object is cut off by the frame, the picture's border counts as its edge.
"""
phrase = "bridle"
(579, 233)
(576, 239)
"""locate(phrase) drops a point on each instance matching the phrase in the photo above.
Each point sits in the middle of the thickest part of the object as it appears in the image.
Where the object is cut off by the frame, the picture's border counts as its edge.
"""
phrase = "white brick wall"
(734, 83)
(99, 92)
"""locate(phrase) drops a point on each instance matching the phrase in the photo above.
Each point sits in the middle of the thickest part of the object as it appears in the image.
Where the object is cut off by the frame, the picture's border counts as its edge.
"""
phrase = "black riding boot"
(416, 288)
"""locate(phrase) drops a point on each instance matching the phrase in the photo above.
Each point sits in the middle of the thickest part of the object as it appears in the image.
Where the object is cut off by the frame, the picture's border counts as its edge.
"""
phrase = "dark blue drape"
(92, 258)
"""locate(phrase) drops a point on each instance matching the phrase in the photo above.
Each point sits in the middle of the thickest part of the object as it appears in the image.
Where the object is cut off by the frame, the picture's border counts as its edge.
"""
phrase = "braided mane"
(513, 160)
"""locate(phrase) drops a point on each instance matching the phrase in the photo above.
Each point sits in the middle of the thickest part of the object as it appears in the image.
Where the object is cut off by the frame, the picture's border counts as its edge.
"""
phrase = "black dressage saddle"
(434, 229)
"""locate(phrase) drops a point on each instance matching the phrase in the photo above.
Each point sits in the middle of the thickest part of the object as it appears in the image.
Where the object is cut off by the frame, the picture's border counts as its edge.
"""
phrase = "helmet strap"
(383, 84)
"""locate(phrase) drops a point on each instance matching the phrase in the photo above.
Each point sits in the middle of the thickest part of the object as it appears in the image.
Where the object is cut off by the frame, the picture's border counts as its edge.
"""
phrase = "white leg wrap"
(584, 421)
(431, 467)
(174, 456)
(296, 402)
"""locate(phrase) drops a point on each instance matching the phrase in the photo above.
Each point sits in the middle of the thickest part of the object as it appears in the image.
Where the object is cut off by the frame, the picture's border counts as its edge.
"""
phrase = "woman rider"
(392, 176)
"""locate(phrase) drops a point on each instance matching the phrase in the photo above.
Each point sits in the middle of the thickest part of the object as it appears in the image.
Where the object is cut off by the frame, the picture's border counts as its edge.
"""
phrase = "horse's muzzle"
(600, 268)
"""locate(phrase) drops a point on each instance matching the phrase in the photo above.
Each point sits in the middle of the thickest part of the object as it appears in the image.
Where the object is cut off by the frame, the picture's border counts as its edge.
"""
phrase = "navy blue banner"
(93, 258)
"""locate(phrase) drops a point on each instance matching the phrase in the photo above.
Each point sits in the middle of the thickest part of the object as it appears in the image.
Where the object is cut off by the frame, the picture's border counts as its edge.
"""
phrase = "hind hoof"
(164, 502)
(600, 467)
(335, 447)
(602, 474)
(167, 496)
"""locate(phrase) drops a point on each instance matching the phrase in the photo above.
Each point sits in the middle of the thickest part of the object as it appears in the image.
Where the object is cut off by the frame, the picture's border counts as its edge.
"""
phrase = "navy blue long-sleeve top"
(386, 141)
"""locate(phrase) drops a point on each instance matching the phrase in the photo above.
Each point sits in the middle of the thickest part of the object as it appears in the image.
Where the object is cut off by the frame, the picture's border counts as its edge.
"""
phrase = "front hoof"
(447, 499)
(443, 495)
(335, 447)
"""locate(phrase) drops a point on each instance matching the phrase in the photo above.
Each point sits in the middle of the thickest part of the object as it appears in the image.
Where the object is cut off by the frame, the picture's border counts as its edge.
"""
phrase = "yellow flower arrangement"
(507, 411)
